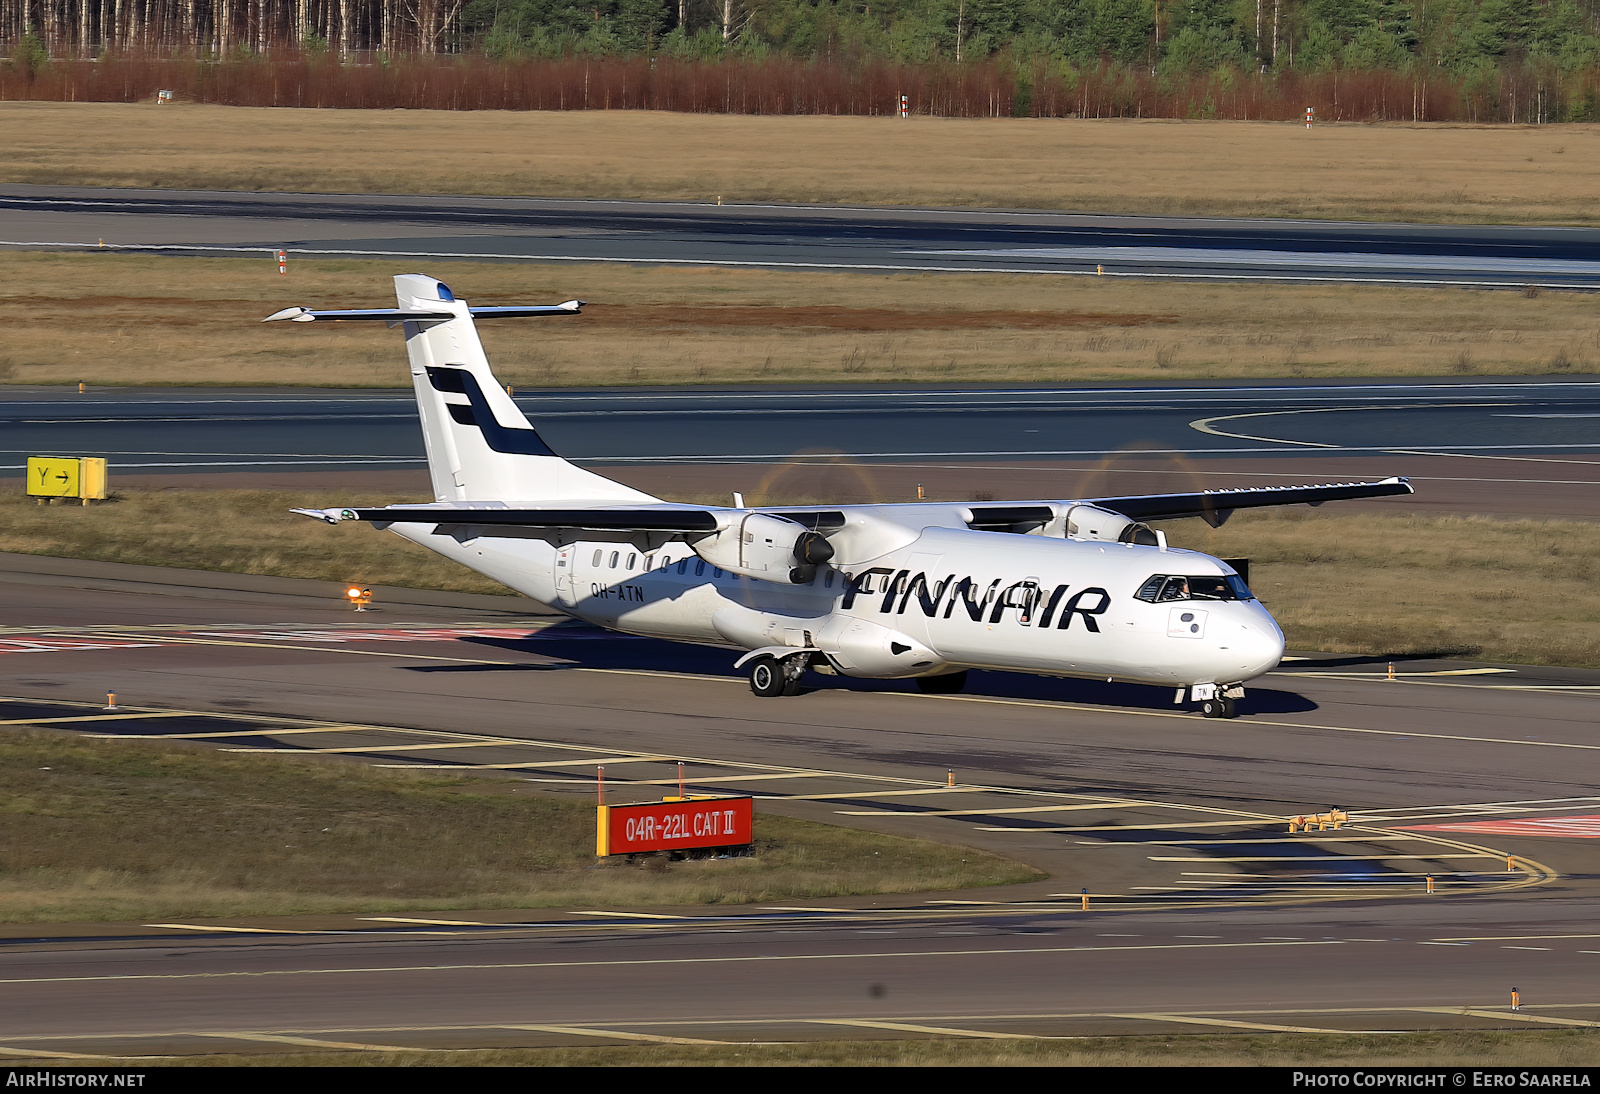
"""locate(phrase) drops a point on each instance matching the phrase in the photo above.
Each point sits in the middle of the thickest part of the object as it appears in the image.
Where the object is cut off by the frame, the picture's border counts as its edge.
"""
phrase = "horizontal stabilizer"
(401, 315)
(1214, 505)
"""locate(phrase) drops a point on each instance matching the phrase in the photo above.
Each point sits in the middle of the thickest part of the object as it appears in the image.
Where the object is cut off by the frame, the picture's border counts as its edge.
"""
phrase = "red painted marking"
(666, 826)
(1582, 827)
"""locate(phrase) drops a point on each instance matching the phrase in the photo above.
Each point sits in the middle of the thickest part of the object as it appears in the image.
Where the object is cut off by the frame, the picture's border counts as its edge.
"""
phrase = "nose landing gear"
(1216, 700)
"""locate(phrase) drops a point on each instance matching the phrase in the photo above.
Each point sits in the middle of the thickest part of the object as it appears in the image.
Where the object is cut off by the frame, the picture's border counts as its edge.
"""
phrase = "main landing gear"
(770, 676)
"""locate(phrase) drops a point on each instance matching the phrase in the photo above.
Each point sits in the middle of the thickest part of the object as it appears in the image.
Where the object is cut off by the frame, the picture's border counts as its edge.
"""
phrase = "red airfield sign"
(674, 824)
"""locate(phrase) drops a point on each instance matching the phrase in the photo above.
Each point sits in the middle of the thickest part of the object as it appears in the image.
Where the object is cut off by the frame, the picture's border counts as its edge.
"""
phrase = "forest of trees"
(1526, 61)
(1157, 35)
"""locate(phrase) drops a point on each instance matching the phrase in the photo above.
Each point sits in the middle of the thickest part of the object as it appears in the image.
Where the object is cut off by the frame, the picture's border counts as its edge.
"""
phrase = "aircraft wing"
(1215, 506)
(608, 518)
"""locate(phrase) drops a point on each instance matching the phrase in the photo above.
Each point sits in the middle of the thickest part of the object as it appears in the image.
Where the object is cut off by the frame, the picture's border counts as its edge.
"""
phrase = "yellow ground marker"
(248, 729)
(1108, 804)
(1512, 1016)
(621, 1035)
(912, 1027)
(1229, 1023)
(312, 1042)
(232, 930)
(101, 718)
(49, 1054)
(432, 922)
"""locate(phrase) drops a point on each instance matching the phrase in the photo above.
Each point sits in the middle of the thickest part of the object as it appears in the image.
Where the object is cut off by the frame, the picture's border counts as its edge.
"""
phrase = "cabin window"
(632, 558)
(597, 555)
(700, 568)
(716, 572)
(683, 565)
(614, 556)
(827, 580)
(649, 562)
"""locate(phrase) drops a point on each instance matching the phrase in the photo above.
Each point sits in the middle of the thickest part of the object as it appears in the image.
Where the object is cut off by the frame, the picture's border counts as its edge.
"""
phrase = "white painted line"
(1184, 1019)
(312, 1042)
(620, 1035)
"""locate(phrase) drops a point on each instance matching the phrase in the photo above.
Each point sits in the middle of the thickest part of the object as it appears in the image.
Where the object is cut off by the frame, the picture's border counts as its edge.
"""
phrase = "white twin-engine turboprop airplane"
(1078, 588)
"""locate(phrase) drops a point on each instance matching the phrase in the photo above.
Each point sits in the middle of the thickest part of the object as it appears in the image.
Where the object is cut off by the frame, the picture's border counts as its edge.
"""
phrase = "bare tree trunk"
(1260, 61)
(727, 20)
(961, 15)
(1275, 6)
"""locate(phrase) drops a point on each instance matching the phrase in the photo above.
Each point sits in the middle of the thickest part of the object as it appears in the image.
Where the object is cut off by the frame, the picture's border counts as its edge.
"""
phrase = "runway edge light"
(358, 595)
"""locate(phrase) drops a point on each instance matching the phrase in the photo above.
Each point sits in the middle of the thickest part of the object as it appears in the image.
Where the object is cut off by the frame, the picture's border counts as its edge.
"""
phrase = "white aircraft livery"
(923, 591)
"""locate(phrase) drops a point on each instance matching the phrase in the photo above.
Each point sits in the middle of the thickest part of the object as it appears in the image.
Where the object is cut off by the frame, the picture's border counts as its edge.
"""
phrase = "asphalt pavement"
(217, 430)
(797, 237)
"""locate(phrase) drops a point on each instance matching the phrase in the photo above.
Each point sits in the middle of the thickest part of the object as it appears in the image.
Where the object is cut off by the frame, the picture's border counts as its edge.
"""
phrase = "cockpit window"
(1166, 588)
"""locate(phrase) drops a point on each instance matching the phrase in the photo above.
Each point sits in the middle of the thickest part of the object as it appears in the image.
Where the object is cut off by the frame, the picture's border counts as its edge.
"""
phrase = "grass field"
(1519, 590)
(94, 830)
(1463, 1048)
(123, 319)
(1515, 174)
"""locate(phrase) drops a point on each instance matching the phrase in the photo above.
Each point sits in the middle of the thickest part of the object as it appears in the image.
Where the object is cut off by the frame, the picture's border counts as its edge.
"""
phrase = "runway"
(797, 237)
(1205, 913)
(155, 431)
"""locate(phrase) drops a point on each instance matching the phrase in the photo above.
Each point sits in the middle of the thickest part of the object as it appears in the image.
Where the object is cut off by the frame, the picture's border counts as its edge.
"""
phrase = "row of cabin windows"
(632, 561)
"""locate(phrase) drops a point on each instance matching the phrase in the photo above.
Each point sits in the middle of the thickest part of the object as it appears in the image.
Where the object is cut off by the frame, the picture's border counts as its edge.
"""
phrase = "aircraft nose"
(1259, 645)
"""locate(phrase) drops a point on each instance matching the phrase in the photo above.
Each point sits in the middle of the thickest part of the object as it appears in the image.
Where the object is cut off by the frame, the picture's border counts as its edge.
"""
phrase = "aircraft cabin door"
(565, 587)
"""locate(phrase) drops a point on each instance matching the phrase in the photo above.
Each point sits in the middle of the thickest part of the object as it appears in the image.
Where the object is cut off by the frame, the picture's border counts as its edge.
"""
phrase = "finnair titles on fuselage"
(924, 591)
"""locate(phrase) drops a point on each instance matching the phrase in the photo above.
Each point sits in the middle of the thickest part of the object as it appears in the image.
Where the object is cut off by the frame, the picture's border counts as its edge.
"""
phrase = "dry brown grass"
(126, 319)
(1498, 590)
(1517, 590)
(133, 830)
(1395, 171)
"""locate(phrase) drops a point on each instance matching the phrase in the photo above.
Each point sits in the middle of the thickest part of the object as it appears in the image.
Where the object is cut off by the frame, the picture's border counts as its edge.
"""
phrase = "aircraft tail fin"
(480, 446)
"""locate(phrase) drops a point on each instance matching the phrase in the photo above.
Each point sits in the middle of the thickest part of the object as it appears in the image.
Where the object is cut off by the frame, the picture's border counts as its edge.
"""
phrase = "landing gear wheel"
(767, 677)
(793, 669)
(944, 684)
(1220, 707)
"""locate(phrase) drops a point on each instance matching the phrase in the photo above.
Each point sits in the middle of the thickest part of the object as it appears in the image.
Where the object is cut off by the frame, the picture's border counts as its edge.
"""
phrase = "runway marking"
(1512, 937)
(940, 955)
(312, 1042)
(433, 922)
(1204, 425)
(49, 1054)
(1399, 675)
(1581, 827)
(1228, 1023)
(1255, 275)
(1312, 858)
(232, 930)
(976, 810)
(1508, 1015)
(637, 915)
(247, 731)
(1041, 704)
(912, 1027)
(620, 1035)
(97, 718)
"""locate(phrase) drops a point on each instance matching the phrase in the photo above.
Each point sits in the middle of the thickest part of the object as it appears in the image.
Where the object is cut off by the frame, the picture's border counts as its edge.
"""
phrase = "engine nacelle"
(1093, 522)
(767, 547)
